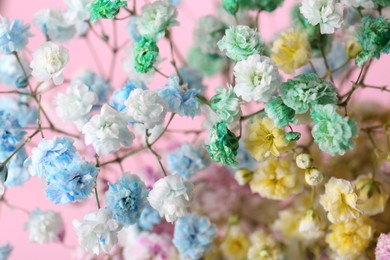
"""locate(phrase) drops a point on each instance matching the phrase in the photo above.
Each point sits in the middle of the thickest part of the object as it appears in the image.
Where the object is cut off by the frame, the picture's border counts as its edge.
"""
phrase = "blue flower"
(132, 29)
(187, 160)
(5, 251)
(11, 74)
(51, 156)
(126, 198)
(14, 36)
(10, 134)
(120, 95)
(19, 109)
(73, 183)
(17, 173)
(149, 218)
(192, 77)
(179, 99)
(193, 236)
(97, 84)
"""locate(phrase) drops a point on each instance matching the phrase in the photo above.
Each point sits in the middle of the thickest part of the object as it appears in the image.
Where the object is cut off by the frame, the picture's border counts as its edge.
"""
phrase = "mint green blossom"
(265, 5)
(208, 64)
(331, 131)
(240, 42)
(374, 37)
(280, 114)
(226, 104)
(223, 145)
(106, 9)
(292, 136)
(231, 6)
(307, 90)
(145, 54)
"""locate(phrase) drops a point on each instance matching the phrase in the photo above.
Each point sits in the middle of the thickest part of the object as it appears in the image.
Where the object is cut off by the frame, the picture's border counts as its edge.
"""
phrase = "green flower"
(307, 90)
(240, 42)
(292, 136)
(145, 54)
(265, 5)
(280, 114)
(208, 64)
(374, 37)
(106, 9)
(331, 131)
(223, 145)
(231, 6)
(382, 3)
(226, 104)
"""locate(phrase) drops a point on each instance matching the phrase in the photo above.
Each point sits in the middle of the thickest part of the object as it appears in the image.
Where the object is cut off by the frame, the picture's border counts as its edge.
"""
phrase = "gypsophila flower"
(374, 37)
(11, 73)
(107, 131)
(156, 18)
(208, 64)
(13, 36)
(331, 131)
(382, 250)
(97, 232)
(382, 3)
(223, 145)
(327, 13)
(257, 78)
(280, 114)
(307, 90)
(149, 218)
(146, 107)
(208, 31)
(126, 198)
(310, 225)
(266, 5)
(17, 173)
(192, 78)
(75, 104)
(49, 61)
(240, 42)
(78, 14)
(129, 65)
(54, 25)
(358, 3)
(121, 95)
(45, 226)
(21, 109)
(5, 251)
(96, 83)
(264, 247)
(145, 54)
(236, 244)
(171, 196)
(187, 160)
(11, 134)
(226, 104)
(231, 6)
(193, 236)
(105, 9)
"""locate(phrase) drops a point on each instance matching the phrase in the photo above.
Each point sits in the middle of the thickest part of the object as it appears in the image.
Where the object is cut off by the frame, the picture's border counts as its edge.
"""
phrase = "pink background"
(32, 194)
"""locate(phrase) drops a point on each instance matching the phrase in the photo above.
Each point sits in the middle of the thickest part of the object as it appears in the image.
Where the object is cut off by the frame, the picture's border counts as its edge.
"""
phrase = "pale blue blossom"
(10, 134)
(20, 109)
(132, 29)
(97, 84)
(17, 173)
(11, 74)
(13, 36)
(192, 78)
(149, 218)
(5, 251)
(120, 95)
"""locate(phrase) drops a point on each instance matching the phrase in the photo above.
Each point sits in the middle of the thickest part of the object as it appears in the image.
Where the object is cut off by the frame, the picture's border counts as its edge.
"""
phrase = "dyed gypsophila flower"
(223, 145)
(126, 198)
(156, 18)
(121, 95)
(129, 65)
(75, 104)
(148, 219)
(107, 131)
(266, 5)
(48, 62)
(231, 6)
(132, 29)
(17, 173)
(307, 90)
(382, 250)
(45, 226)
(187, 160)
(145, 54)
(11, 73)
(192, 78)
(98, 231)
(240, 42)
(180, 99)
(257, 78)
(5, 251)
(96, 83)
(146, 107)
(171, 196)
(327, 13)
(14, 36)
(226, 104)
(331, 131)
(105, 9)
(280, 114)
(54, 25)
(208, 31)
(382, 3)
(10, 134)
(78, 14)
(193, 236)
(358, 3)
(20, 109)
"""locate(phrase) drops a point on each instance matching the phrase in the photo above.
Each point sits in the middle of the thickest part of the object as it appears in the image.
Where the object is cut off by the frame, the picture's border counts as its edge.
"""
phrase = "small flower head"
(105, 9)
(264, 5)
(13, 36)
(145, 54)
(310, 225)
(226, 104)
(382, 250)
(96, 83)
(11, 134)
(304, 161)
(11, 73)
(231, 6)
(149, 218)
(264, 247)
(243, 176)
(280, 114)
(313, 177)
(236, 244)
(45, 226)
(208, 31)
(121, 95)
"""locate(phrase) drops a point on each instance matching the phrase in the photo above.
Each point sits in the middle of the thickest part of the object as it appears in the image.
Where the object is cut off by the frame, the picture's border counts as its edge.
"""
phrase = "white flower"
(76, 103)
(146, 107)
(171, 196)
(358, 3)
(98, 232)
(78, 14)
(257, 78)
(48, 62)
(45, 226)
(107, 131)
(327, 13)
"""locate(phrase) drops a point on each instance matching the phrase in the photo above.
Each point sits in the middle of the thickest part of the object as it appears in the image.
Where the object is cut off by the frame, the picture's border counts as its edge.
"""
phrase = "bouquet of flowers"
(281, 162)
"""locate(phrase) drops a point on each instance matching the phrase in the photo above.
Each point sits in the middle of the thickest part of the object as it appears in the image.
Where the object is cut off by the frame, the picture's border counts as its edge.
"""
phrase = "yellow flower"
(291, 50)
(310, 225)
(372, 197)
(288, 223)
(264, 247)
(277, 179)
(236, 244)
(340, 200)
(349, 239)
(353, 48)
(243, 176)
(265, 139)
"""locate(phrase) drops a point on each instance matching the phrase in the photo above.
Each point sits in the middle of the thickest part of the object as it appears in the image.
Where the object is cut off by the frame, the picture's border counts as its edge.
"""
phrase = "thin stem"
(158, 157)
(96, 191)
(173, 61)
(329, 71)
(161, 73)
(313, 68)
(13, 207)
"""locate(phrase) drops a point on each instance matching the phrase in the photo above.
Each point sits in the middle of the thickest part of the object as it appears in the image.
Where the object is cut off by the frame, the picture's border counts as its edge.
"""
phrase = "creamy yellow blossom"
(243, 176)
(236, 244)
(372, 197)
(265, 139)
(288, 222)
(340, 200)
(310, 225)
(264, 247)
(277, 179)
(291, 50)
(349, 239)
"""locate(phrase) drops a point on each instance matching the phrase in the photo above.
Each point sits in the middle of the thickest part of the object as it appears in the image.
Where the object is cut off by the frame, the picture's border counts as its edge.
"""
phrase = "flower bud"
(304, 161)
(313, 177)
(243, 176)
(353, 48)
(231, 6)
